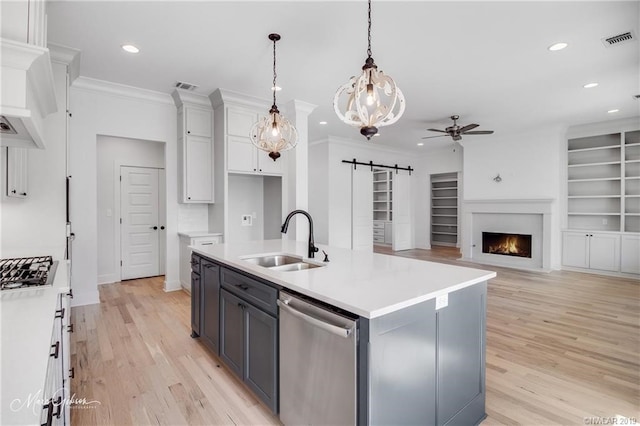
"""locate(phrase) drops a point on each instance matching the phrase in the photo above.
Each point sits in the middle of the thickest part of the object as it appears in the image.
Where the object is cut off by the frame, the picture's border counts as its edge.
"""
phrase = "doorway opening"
(131, 191)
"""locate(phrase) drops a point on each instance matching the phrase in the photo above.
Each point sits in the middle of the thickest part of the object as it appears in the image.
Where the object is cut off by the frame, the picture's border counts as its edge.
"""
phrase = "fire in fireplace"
(506, 244)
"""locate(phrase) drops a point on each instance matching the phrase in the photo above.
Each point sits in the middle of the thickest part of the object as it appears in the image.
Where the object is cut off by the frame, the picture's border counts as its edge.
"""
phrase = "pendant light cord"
(369, 32)
(274, 73)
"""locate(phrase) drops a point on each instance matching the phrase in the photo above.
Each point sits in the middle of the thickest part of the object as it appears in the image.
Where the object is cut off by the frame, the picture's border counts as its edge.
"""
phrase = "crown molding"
(223, 96)
(297, 106)
(121, 90)
(67, 56)
(181, 97)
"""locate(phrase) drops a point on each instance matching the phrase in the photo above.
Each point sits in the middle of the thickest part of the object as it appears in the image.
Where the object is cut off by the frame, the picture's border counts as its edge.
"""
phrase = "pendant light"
(373, 100)
(274, 133)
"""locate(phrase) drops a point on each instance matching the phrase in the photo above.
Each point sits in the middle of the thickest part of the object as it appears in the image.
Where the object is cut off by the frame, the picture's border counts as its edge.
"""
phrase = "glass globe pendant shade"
(274, 134)
(370, 101)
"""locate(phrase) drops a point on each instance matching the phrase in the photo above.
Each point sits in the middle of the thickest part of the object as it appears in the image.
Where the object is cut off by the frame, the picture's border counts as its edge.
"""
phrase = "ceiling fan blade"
(468, 127)
(480, 132)
(437, 130)
(429, 137)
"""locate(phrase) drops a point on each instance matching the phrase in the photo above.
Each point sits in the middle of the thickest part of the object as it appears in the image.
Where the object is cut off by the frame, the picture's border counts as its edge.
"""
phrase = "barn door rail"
(371, 164)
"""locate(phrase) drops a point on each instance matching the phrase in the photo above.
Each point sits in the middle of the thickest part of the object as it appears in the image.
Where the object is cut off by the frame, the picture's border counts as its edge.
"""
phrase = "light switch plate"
(247, 220)
(442, 301)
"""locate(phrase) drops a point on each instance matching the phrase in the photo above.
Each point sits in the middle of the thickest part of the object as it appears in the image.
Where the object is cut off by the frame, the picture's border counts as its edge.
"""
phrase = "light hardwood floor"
(561, 347)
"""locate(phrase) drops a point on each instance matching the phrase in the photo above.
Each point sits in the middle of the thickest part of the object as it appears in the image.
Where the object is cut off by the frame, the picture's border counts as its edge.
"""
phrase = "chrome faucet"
(285, 226)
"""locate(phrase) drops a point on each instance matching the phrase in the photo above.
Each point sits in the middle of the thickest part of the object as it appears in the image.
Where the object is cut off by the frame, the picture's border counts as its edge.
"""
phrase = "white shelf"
(592, 214)
(444, 224)
(444, 215)
(444, 188)
(631, 144)
(597, 148)
(632, 161)
(604, 163)
(444, 198)
(444, 182)
(594, 179)
(444, 233)
(594, 196)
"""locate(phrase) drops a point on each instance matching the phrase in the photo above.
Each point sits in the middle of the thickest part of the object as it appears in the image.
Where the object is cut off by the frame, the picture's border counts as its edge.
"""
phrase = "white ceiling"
(486, 61)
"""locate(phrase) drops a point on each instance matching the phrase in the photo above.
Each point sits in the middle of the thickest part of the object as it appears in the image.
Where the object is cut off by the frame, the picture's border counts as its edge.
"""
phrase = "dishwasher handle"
(342, 332)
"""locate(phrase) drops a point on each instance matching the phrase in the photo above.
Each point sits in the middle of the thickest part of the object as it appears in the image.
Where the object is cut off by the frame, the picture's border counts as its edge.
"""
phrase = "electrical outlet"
(442, 301)
(247, 220)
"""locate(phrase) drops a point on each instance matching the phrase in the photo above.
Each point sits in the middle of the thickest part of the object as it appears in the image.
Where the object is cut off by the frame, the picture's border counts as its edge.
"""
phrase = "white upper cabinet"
(242, 155)
(195, 148)
(17, 172)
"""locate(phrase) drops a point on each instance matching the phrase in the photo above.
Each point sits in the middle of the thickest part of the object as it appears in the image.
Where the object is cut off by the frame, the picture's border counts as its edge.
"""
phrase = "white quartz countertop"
(26, 322)
(197, 234)
(364, 283)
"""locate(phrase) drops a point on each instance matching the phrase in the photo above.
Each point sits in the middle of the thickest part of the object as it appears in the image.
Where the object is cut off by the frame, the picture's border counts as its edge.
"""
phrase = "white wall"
(272, 207)
(442, 160)
(529, 165)
(113, 152)
(333, 178)
(105, 109)
(35, 225)
(193, 217)
(246, 196)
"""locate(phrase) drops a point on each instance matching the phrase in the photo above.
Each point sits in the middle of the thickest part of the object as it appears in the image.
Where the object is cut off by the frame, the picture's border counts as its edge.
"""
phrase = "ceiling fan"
(456, 131)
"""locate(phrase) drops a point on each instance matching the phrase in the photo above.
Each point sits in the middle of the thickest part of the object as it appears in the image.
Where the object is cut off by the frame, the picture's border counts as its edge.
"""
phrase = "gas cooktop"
(27, 272)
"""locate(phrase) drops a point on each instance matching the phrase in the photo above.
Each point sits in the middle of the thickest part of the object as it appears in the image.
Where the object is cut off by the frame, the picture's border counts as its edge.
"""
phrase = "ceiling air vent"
(186, 86)
(618, 39)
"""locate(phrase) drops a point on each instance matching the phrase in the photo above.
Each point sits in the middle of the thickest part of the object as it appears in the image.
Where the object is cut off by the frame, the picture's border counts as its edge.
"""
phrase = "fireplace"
(518, 245)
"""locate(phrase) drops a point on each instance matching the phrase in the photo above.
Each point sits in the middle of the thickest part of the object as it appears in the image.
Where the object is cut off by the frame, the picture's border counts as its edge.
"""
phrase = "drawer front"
(378, 232)
(261, 295)
(378, 225)
(378, 239)
(205, 241)
(195, 263)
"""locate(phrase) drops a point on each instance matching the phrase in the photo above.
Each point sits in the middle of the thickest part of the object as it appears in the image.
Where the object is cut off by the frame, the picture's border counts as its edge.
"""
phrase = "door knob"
(154, 227)
(162, 227)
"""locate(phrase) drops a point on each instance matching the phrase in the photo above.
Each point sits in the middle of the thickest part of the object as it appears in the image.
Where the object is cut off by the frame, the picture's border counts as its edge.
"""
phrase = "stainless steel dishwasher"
(317, 364)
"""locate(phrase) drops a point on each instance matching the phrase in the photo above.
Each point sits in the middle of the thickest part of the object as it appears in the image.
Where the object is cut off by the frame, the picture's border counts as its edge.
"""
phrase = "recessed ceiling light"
(420, 143)
(323, 122)
(130, 48)
(276, 88)
(590, 85)
(613, 111)
(557, 46)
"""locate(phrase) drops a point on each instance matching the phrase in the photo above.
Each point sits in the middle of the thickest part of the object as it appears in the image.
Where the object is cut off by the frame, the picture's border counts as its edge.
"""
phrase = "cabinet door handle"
(241, 305)
(72, 373)
(206, 244)
(14, 191)
(56, 350)
(49, 408)
(60, 313)
(70, 328)
(58, 404)
(188, 198)
(188, 132)
(23, 194)
(242, 286)
(70, 294)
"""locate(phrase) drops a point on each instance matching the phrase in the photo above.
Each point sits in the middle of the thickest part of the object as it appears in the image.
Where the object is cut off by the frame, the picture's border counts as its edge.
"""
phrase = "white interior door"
(139, 213)
(401, 212)
(361, 209)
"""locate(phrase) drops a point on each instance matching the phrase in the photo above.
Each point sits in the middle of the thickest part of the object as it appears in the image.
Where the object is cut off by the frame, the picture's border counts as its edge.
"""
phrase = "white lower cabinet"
(630, 262)
(597, 251)
(195, 239)
(56, 393)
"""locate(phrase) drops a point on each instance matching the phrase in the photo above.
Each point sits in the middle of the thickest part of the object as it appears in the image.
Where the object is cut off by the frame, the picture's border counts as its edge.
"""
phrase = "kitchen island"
(420, 325)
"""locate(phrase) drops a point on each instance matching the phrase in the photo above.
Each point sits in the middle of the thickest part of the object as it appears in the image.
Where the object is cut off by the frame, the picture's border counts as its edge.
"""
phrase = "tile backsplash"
(193, 217)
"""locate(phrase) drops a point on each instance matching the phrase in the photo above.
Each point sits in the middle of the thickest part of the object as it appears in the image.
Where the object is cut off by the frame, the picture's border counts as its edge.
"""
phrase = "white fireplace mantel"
(537, 206)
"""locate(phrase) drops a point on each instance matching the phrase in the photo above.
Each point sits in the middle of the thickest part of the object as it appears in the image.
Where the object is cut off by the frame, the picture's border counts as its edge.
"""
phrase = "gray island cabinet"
(420, 327)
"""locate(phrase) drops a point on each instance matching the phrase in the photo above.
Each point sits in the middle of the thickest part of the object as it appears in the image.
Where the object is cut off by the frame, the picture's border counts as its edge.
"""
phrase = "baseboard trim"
(83, 298)
(598, 272)
(108, 279)
(172, 286)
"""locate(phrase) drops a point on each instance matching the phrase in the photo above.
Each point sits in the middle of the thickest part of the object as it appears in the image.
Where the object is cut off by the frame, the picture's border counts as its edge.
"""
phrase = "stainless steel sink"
(282, 262)
(273, 260)
(299, 266)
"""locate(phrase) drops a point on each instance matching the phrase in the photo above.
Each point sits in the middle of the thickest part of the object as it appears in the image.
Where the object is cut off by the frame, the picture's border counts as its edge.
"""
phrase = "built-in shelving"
(382, 206)
(444, 209)
(604, 182)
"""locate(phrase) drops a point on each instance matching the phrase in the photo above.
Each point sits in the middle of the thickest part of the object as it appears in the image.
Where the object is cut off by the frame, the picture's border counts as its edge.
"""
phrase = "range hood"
(27, 94)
